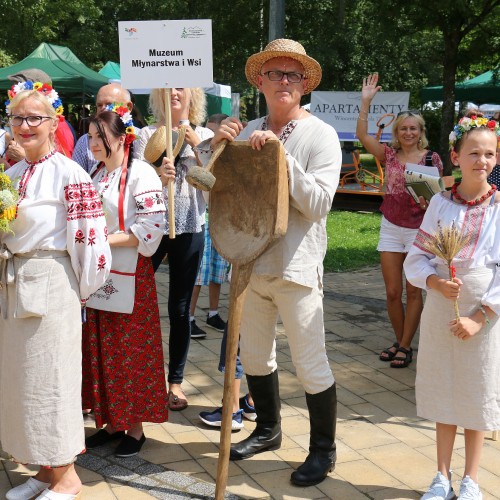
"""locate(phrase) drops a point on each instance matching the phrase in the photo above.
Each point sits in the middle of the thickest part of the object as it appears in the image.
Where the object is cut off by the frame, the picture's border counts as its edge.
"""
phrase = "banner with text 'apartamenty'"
(341, 110)
(166, 54)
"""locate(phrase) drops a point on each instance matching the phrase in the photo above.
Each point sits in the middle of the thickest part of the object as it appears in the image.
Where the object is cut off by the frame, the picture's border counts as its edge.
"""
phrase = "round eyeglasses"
(32, 121)
(277, 76)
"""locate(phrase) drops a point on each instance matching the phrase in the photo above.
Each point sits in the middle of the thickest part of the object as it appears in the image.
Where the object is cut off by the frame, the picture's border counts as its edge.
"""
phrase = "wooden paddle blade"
(249, 202)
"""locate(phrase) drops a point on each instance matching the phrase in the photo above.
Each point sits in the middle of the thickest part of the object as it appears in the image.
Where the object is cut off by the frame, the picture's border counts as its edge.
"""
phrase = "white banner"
(166, 54)
(341, 110)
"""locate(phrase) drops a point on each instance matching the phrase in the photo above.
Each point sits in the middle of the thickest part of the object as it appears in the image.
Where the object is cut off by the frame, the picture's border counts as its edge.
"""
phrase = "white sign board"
(166, 54)
(341, 110)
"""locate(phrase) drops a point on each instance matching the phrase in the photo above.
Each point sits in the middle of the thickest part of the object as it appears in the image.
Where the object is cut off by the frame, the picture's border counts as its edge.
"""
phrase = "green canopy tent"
(111, 71)
(218, 96)
(484, 88)
(75, 82)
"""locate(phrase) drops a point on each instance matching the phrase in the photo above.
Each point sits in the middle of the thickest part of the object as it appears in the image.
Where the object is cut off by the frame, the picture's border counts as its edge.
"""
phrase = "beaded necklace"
(475, 202)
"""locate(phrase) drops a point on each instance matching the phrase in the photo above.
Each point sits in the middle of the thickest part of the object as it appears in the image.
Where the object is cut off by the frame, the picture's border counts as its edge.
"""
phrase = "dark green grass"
(352, 240)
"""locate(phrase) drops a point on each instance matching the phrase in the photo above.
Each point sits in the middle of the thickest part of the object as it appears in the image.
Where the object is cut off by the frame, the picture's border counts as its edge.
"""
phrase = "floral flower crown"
(465, 124)
(44, 88)
(126, 116)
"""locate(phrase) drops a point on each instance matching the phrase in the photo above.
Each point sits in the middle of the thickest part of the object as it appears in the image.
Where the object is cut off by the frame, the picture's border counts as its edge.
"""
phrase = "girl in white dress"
(458, 367)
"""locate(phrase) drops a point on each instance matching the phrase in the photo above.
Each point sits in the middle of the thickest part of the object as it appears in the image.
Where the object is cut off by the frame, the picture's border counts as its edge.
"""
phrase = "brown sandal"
(175, 403)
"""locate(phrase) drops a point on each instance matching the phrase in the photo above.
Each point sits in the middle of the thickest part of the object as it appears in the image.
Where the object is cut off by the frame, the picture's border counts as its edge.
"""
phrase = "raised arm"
(368, 92)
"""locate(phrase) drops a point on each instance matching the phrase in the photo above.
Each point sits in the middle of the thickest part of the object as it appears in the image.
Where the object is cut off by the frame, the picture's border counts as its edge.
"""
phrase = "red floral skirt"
(123, 369)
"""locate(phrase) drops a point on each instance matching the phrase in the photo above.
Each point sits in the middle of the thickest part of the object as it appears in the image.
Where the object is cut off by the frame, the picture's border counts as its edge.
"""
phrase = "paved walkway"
(384, 450)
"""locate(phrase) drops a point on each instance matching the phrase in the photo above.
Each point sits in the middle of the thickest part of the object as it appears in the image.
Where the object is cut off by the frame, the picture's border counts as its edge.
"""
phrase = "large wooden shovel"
(248, 209)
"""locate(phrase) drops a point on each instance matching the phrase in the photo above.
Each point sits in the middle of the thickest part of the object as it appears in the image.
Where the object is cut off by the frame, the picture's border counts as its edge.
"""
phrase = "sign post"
(166, 54)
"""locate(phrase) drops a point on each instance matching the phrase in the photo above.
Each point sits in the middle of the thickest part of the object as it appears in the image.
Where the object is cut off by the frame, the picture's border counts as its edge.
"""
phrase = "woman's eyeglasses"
(32, 121)
(277, 76)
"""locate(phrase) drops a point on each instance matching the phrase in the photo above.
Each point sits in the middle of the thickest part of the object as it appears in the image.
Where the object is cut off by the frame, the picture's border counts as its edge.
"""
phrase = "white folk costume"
(57, 256)
(292, 266)
(123, 368)
(458, 382)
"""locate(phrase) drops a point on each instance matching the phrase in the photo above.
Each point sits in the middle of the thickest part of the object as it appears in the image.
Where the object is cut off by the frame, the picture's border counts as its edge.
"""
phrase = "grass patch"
(352, 240)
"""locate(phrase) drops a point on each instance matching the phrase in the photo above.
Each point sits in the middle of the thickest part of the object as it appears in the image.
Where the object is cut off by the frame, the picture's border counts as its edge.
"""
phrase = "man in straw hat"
(287, 277)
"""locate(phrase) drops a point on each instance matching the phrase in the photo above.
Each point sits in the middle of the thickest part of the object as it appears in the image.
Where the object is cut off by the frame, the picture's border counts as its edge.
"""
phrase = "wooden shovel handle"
(217, 152)
(240, 276)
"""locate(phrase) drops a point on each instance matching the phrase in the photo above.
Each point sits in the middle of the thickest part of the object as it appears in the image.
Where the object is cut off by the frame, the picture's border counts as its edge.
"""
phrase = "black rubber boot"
(267, 434)
(322, 450)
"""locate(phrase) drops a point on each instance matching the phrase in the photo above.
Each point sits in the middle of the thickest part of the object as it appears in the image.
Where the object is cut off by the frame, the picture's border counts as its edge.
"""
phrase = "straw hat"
(283, 47)
(154, 151)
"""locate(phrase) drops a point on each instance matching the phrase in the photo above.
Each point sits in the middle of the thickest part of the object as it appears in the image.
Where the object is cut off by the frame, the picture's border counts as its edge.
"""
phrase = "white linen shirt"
(314, 158)
(61, 211)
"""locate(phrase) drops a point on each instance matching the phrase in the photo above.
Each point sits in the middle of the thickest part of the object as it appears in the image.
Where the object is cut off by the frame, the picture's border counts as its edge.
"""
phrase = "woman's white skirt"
(458, 382)
(40, 363)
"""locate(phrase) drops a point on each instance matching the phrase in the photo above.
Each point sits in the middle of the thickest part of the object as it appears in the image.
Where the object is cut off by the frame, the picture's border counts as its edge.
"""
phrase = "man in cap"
(287, 277)
(108, 94)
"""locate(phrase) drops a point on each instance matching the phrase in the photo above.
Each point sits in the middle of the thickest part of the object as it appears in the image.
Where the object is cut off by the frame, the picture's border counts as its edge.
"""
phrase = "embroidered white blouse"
(143, 205)
(483, 223)
(190, 204)
(59, 209)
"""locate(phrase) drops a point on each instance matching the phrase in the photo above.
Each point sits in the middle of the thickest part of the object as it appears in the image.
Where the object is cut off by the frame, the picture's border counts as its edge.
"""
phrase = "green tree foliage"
(410, 44)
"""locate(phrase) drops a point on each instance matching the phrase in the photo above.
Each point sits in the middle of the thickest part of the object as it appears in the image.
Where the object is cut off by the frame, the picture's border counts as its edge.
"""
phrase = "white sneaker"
(53, 495)
(28, 490)
(440, 489)
(469, 490)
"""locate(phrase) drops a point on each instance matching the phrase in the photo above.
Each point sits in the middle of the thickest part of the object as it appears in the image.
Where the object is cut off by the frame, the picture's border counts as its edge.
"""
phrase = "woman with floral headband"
(123, 369)
(64, 141)
(401, 217)
(458, 367)
(54, 259)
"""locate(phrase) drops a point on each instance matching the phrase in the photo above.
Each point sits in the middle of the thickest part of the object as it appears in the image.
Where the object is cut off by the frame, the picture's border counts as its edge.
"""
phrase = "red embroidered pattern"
(144, 202)
(101, 264)
(473, 222)
(83, 201)
(79, 236)
(91, 236)
(423, 240)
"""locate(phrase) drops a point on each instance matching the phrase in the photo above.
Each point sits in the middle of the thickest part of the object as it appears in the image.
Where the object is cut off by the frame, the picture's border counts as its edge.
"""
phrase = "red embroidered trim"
(473, 222)
(41, 160)
(83, 201)
(421, 240)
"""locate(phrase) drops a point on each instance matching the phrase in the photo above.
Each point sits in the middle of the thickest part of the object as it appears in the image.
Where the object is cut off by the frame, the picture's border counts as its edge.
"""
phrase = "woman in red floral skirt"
(123, 368)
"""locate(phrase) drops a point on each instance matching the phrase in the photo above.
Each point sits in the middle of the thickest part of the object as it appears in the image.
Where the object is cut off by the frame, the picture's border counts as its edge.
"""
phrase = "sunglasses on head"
(409, 112)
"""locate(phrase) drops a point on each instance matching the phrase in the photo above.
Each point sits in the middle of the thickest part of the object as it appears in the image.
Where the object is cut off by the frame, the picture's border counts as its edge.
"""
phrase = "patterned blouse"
(190, 204)
(398, 206)
(59, 209)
